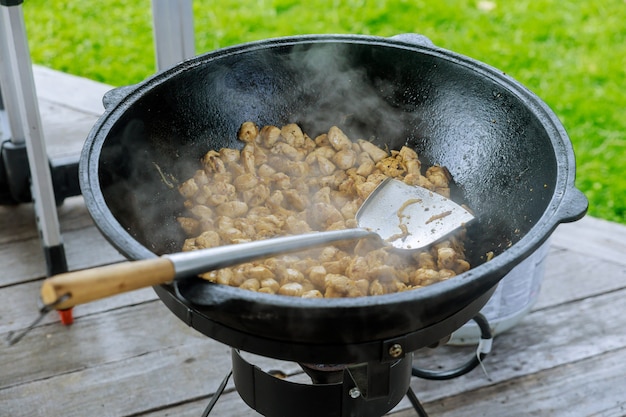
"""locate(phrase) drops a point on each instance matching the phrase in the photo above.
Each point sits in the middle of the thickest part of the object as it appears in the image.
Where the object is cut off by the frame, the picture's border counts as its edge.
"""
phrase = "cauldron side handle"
(573, 206)
(115, 96)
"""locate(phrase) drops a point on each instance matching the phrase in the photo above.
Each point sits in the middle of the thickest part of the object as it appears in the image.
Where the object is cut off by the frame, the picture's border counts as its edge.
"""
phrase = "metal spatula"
(404, 216)
(409, 217)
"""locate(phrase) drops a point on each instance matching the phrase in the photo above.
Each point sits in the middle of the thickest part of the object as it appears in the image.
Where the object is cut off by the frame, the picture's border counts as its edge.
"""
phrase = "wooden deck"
(129, 356)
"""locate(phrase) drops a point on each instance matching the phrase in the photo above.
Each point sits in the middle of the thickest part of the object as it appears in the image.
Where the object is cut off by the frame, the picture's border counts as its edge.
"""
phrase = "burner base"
(367, 390)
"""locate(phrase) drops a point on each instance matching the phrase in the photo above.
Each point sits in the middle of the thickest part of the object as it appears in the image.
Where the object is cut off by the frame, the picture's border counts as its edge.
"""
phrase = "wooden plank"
(18, 222)
(23, 260)
(559, 337)
(122, 387)
(541, 350)
(592, 387)
(20, 307)
(61, 88)
(570, 276)
(525, 326)
(157, 379)
(56, 349)
(229, 404)
(545, 339)
(592, 236)
(65, 129)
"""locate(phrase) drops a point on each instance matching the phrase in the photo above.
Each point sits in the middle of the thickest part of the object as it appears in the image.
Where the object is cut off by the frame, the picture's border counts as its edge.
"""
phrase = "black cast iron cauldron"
(508, 153)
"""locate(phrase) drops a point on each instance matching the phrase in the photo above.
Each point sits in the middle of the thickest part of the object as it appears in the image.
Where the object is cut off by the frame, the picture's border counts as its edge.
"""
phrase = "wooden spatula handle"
(96, 283)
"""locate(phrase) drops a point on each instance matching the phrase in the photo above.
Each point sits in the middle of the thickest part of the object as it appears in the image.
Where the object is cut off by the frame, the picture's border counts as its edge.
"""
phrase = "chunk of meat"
(283, 182)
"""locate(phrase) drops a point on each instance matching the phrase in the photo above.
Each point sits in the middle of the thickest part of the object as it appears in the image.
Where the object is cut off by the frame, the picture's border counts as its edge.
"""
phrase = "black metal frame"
(25, 168)
(15, 175)
(374, 350)
(368, 389)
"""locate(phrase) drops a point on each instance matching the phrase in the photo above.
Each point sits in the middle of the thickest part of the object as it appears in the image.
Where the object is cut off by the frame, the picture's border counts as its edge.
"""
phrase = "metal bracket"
(15, 175)
(20, 99)
(365, 390)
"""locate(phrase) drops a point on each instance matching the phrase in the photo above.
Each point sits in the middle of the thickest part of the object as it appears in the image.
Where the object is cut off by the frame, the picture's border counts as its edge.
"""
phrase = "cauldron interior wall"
(508, 153)
(496, 149)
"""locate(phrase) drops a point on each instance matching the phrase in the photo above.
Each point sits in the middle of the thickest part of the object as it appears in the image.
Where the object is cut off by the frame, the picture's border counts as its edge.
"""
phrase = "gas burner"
(348, 378)
(369, 389)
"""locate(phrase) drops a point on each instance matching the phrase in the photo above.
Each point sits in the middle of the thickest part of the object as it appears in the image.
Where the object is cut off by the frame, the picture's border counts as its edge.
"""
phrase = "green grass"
(571, 53)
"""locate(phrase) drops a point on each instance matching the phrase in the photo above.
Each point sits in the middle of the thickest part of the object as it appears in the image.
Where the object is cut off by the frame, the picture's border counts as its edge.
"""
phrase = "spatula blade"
(410, 217)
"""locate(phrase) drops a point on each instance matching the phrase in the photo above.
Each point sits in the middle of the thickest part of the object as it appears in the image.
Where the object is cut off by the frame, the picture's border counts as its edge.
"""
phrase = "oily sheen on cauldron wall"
(507, 150)
(485, 136)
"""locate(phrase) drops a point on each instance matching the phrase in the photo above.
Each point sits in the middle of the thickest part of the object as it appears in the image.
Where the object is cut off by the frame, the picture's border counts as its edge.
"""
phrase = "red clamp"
(66, 316)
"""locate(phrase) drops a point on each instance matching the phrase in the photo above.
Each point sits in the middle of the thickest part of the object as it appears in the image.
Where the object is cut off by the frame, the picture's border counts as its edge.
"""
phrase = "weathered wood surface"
(129, 356)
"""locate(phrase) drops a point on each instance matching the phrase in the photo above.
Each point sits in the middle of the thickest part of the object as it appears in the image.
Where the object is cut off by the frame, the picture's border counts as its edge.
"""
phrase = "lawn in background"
(570, 53)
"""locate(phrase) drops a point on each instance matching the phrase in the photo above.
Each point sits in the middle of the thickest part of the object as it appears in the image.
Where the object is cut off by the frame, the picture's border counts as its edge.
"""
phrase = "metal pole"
(173, 31)
(20, 99)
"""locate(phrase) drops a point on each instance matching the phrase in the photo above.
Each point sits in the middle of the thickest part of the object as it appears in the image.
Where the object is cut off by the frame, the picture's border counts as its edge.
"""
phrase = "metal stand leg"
(20, 100)
(415, 402)
(217, 395)
(173, 31)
